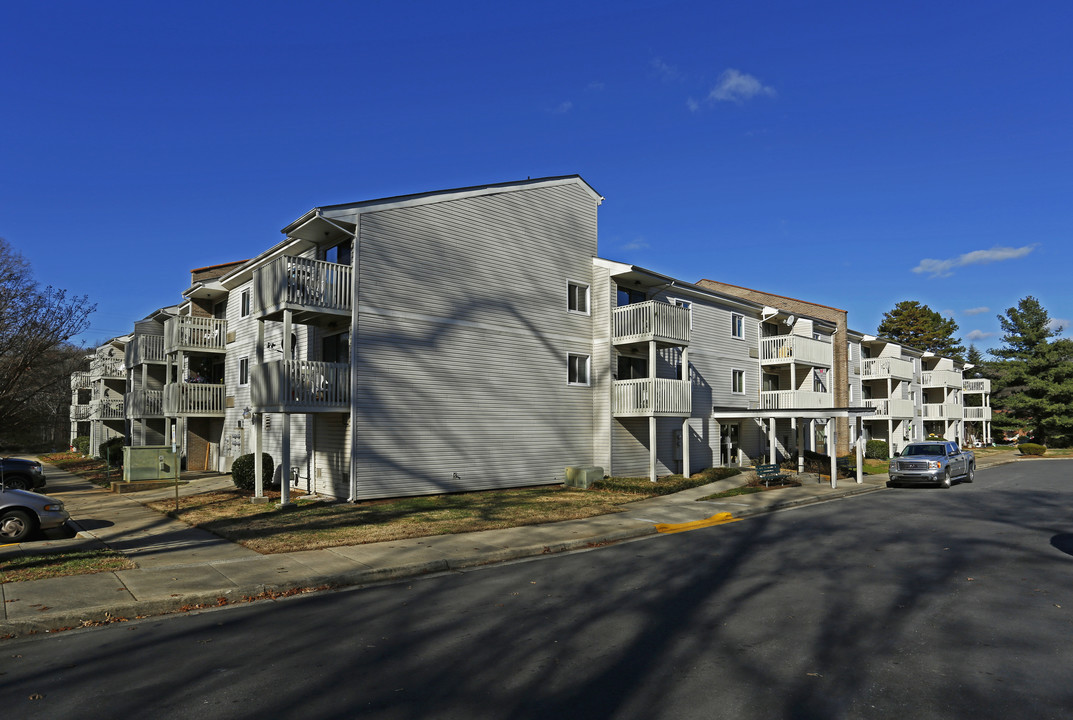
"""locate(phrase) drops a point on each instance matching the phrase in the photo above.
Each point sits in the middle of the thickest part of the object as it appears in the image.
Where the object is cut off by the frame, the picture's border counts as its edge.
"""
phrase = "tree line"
(1031, 372)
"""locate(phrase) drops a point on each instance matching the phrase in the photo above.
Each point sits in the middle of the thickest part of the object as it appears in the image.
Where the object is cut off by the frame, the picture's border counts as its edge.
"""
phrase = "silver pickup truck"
(937, 462)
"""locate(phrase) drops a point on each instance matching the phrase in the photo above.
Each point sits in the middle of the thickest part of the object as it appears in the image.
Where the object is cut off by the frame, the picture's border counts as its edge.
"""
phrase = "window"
(687, 305)
(245, 303)
(737, 325)
(626, 296)
(737, 382)
(577, 369)
(577, 297)
(244, 371)
(336, 348)
(819, 380)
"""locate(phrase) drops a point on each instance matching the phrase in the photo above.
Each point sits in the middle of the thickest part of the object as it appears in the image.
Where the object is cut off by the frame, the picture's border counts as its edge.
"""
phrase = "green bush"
(666, 485)
(111, 451)
(244, 472)
(81, 445)
(1032, 449)
(877, 450)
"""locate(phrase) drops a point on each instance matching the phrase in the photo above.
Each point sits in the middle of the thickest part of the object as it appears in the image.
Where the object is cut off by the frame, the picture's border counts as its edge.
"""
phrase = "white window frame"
(570, 359)
(570, 286)
(737, 326)
(244, 303)
(735, 373)
(688, 305)
(244, 369)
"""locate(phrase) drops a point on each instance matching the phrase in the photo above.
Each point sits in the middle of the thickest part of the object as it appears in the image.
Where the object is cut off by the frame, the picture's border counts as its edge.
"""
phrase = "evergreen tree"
(1033, 376)
(918, 326)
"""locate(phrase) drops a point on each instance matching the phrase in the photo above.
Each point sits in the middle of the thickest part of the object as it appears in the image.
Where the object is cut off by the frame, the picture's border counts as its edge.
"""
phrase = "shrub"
(244, 472)
(111, 451)
(1032, 448)
(81, 445)
(877, 450)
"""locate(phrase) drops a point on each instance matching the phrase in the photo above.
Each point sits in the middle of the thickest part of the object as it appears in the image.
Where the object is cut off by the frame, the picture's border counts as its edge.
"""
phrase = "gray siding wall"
(463, 338)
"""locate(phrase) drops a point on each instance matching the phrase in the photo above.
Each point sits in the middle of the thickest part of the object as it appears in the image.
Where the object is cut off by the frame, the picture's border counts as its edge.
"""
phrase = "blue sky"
(852, 154)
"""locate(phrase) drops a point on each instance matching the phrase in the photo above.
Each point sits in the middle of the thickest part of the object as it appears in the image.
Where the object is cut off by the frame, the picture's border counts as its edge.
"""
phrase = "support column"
(685, 420)
(652, 418)
(285, 470)
(860, 450)
(259, 418)
(652, 448)
(771, 439)
(800, 446)
(831, 433)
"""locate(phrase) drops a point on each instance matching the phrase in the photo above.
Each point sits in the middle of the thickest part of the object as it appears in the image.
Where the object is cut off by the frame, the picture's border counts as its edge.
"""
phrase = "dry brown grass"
(312, 524)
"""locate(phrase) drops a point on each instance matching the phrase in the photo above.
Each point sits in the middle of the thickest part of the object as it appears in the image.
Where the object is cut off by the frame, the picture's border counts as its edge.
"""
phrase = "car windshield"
(924, 450)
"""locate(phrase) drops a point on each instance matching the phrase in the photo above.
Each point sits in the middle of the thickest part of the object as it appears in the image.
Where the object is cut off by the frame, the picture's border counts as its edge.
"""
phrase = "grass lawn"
(60, 564)
(92, 469)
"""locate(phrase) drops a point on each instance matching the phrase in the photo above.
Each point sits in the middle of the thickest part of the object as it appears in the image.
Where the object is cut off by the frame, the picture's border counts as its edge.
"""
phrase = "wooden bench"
(769, 472)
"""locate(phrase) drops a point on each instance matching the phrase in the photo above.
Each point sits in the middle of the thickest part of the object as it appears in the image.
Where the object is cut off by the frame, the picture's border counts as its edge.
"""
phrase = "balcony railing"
(145, 403)
(647, 397)
(145, 349)
(941, 378)
(890, 408)
(304, 285)
(108, 409)
(195, 334)
(300, 386)
(795, 348)
(795, 399)
(651, 320)
(978, 413)
(193, 399)
(942, 411)
(882, 368)
(80, 380)
(978, 386)
(81, 412)
(107, 368)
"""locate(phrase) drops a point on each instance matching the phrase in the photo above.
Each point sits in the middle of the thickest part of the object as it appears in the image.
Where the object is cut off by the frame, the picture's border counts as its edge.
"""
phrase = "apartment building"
(473, 338)
(97, 395)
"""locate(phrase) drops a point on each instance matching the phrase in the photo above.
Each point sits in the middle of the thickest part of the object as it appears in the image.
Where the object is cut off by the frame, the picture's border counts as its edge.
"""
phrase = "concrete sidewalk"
(180, 567)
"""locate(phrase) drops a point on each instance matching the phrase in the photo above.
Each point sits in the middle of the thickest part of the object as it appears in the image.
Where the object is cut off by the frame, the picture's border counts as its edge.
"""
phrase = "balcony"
(315, 291)
(978, 413)
(145, 404)
(81, 412)
(109, 409)
(651, 320)
(300, 386)
(651, 397)
(795, 400)
(145, 349)
(195, 334)
(941, 378)
(107, 368)
(942, 411)
(897, 408)
(883, 368)
(978, 386)
(784, 349)
(193, 399)
(80, 380)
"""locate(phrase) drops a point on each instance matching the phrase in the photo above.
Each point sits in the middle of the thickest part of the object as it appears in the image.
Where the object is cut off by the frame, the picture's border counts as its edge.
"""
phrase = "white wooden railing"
(195, 334)
(292, 385)
(941, 378)
(795, 399)
(977, 413)
(942, 411)
(107, 367)
(651, 320)
(80, 380)
(145, 403)
(145, 349)
(887, 367)
(977, 386)
(303, 282)
(108, 409)
(193, 399)
(81, 412)
(795, 348)
(895, 407)
(651, 396)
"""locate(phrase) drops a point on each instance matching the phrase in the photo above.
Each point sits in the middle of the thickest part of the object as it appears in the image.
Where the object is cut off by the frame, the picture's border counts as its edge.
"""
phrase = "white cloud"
(945, 268)
(975, 335)
(976, 311)
(692, 104)
(666, 72)
(1058, 324)
(596, 86)
(736, 86)
(638, 244)
(562, 108)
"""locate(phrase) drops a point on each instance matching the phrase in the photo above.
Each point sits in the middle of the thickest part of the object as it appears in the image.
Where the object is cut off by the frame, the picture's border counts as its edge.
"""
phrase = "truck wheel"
(946, 479)
(15, 526)
(971, 474)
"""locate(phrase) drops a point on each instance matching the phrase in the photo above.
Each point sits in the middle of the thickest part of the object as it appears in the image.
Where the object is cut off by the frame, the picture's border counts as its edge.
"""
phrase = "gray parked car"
(23, 512)
(937, 462)
(22, 474)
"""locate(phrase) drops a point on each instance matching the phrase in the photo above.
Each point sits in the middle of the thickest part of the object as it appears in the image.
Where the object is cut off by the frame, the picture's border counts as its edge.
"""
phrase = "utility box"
(583, 476)
(149, 462)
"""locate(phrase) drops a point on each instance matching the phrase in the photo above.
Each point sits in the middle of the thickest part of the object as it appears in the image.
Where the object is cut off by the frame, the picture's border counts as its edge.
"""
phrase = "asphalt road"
(907, 603)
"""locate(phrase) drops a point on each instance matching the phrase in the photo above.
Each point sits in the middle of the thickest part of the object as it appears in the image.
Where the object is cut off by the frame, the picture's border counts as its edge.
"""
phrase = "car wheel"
(946, 479)
(16, 483)
(15, 526)
(971, 473)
